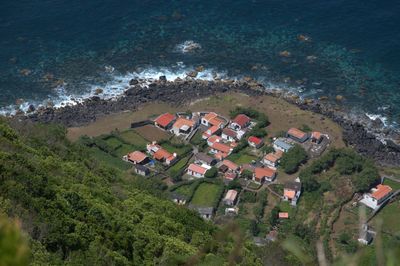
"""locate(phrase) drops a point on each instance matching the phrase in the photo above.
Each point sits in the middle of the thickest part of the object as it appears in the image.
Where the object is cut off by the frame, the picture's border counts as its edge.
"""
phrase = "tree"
(247, 174)
(212, 172)
(292, 159)
(273, 218)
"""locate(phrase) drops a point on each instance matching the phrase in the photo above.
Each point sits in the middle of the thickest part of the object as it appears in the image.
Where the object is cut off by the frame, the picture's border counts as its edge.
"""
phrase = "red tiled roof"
(264, 172)
(221, 147)
(229, 132)
(220, 155)
(231, 195)
(197, 169)
(271, 157)
(210, 131)
(230, 175)
(255, 140)
(210, 116)
(183, 122)
(297, 133)
(289, 193)
(214, 139)
(381, 191)
(231, 165)
(283, 215)
(137, 156)
(161, 154)
(241, 120)
(316, 135)
(216, 121)
(165, 119)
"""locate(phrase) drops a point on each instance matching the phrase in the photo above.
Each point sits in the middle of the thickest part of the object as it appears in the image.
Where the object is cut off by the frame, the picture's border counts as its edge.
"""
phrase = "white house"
(183, 126)
(230, 197)
(291, 192)
(196, 170)
(240, 122)
(376, 196)
(229, 135)
(281, 145)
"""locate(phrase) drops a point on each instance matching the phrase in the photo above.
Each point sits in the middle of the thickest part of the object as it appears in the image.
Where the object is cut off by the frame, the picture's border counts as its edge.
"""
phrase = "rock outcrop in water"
(356, 133)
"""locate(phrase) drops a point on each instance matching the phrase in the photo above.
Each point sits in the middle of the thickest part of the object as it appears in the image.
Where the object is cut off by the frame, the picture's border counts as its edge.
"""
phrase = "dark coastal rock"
(133, 82)
(31, 108)
(163, 78)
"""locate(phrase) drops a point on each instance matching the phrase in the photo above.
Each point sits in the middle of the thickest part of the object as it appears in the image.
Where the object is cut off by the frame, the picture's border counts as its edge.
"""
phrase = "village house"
(196, 170)
(178, 198)
(291, 192)
(183, 126)
(203, 158)
(165, 121)
(297, 135)
(221, 149)
(281, 145)
(231, 165)
(161, 154)
(263, 174)
(213, 139)
(213, 130)
(211, 119)
(205, 212)
(240, 122)
(230, 197)
(229, 176)
(141, 170)
(229, 135)
(376, 196)
(272, 159)
(255, 142)
(249, 167)
(316, 137)
(365, 236)
(283, 215)
(136, 157)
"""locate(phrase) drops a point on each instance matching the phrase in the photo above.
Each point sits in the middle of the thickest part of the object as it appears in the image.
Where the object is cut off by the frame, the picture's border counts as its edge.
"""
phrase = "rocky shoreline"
(366, 136)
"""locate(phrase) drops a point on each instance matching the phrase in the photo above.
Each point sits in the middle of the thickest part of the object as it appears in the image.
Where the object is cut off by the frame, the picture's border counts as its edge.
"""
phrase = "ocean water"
(58, 49)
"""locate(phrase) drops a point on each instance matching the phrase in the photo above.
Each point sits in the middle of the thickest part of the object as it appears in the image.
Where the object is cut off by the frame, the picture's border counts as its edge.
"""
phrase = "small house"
(264, 174)
(205, 159)
(213, 139)
(366, 236)
(272, 159)
(291, 192)
(281, 145)
(316, 137)
(230, 197)
(255, 142)
(165, 121)
(141, 170)
(196, 170)
(136, 157)
(212, 119)
(231, 165)
(161, 154)
(229, 176)
(229, 135)
(240, 122)
(205, 212)
(178, 198)
(283, 215)
(217, 147)
(297, 135)
(213, 130)
(183, 126)
(377, 196)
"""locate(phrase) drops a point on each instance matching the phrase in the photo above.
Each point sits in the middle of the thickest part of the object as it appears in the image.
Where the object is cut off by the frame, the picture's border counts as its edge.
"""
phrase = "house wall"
(226, 137)
(194, 174)
(269, 163)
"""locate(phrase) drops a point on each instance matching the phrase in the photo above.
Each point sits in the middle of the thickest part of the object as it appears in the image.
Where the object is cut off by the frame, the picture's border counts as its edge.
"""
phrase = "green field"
(133, 138)
(109, 160)
(178, 166)
(393, 184)
(171, 148)
(241, 158)
(125, 149)
(205, 195)
(112, 142)
(389, 216)
(185, 190)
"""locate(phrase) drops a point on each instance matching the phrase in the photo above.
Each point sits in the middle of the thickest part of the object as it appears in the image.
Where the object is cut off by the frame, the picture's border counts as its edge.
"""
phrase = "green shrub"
(292, 159)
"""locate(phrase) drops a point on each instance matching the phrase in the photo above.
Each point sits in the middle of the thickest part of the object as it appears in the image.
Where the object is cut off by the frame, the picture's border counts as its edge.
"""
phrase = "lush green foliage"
(211, 173)
(292, 159)
(79, 211)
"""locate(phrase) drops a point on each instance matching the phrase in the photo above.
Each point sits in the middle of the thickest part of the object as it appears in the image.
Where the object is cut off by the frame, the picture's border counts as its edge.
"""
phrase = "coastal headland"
(366, 136)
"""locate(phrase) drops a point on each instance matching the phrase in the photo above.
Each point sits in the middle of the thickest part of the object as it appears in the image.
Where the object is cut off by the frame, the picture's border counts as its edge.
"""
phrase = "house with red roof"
(316, 137)
(283, 215)
(297, 135)
(212, 119)
(165, 121)
(230, 197)
(255, 142)
(229, 135)
(136, 157)
(213, 139)
(272, 159)
(240, 122)
(217, 147)
(160, 154)
(183, 126)
(263, 174)
(231, 165)
(196, 170)
(292, 191)
(377, 196)
(213, 130)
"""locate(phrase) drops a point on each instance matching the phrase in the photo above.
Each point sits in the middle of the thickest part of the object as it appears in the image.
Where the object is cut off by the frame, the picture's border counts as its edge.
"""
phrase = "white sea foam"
(377, 116)
(187, 47)
(115, 86)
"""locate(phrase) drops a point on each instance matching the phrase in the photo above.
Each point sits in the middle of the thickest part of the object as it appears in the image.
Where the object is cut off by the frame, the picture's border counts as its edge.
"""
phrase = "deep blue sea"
(58, 49)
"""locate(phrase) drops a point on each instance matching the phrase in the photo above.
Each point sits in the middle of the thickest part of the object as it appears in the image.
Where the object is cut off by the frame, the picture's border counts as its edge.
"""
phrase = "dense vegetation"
(78, 211)
(292, 159)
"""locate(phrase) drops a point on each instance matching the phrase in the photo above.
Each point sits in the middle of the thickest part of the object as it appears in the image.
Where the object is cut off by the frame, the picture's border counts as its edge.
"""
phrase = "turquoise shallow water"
(353, 47)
